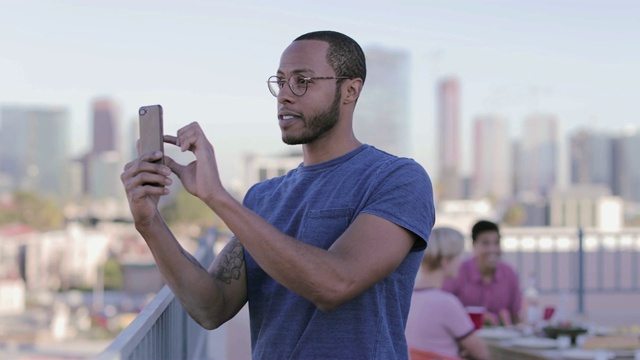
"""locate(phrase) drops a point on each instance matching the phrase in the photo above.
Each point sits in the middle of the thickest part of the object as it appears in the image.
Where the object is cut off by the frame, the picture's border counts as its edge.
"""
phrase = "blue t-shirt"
(316, 204)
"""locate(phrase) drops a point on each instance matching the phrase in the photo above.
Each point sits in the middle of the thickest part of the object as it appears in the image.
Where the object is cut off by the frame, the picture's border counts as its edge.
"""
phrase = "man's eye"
(302, 81)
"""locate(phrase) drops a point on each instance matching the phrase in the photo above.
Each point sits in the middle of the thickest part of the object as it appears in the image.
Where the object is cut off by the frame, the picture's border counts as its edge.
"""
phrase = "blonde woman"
(438, 326)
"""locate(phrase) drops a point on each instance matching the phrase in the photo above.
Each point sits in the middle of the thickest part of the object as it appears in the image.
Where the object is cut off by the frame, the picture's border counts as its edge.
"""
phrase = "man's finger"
(151, 156)
(173, 165)
(170, 139)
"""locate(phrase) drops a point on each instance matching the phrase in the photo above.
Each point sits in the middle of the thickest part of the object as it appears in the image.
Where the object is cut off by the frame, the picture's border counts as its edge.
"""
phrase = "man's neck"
(323, 150)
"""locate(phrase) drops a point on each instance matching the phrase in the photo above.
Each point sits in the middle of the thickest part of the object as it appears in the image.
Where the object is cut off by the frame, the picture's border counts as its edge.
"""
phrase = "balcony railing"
(564, 259)
(163, 329)
(576, 261)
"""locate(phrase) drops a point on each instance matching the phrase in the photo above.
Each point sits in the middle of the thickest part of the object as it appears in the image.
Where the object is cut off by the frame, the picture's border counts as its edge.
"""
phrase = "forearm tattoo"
(232, 262)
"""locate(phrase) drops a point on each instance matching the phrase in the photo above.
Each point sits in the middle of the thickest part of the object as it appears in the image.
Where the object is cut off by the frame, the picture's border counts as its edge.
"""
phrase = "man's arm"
(210, 297)
(516, 306)
(367, 252)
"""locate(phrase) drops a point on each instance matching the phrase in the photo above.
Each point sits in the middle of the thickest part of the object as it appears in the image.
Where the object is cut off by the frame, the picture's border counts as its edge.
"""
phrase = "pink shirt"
(436, 321)
(502, 293)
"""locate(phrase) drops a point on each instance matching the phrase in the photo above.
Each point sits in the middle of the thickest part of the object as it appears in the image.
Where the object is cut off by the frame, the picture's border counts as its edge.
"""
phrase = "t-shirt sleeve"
(404, 196)
(458, 323)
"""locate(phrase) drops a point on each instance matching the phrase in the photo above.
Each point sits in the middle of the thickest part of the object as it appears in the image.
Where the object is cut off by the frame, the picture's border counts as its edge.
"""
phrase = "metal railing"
(163, 329)
(563, 259)
(579, 261)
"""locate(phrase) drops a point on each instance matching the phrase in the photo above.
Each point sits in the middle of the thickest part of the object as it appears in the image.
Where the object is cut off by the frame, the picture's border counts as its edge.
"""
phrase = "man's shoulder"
(507, 269)
(383, 156)
(386, 163)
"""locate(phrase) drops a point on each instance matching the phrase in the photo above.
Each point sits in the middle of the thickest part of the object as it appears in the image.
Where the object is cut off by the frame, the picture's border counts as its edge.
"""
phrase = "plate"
(581, 354)
(535, 343)
(498, 333)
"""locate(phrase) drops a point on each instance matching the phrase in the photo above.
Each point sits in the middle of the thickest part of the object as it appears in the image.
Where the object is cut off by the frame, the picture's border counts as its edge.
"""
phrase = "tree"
(112, 274)
(186, 209)
(33, 210)
(515, 215)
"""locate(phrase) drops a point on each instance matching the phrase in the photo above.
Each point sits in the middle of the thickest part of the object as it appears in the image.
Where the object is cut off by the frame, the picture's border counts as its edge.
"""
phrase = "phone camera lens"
(142, 111)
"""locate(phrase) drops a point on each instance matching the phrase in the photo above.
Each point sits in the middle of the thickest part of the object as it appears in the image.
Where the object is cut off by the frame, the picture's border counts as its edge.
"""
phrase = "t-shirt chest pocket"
(323, 227)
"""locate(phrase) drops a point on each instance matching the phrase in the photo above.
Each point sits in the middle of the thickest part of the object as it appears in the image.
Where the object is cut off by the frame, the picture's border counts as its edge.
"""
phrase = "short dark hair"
(483, 226)
(344, 55)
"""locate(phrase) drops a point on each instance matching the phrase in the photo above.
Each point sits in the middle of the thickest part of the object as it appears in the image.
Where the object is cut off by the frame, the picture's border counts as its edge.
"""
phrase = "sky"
(208, 61)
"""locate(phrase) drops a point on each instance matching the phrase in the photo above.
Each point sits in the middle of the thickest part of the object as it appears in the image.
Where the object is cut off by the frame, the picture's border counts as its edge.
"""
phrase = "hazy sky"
(208, 61)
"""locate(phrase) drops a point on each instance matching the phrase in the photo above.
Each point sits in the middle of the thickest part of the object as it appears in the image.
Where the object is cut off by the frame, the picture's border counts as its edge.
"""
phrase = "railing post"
(580, 271)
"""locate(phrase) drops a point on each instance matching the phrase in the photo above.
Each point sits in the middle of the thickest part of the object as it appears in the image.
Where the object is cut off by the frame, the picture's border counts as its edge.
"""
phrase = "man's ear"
(352, 90)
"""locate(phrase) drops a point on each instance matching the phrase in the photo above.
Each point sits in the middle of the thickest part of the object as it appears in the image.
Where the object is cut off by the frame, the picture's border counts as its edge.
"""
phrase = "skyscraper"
(33, 149)
(537, 171)
(591, 158)
(448, 101)
(626, 166)
(382, 115)
(492, 172)
(105, 155)
(105, 126)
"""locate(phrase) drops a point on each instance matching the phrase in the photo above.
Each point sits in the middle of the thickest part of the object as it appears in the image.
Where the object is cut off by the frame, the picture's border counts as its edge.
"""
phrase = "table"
(505, 350)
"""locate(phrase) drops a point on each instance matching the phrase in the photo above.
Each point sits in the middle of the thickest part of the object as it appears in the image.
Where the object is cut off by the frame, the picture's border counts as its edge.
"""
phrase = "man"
(326, 255)
(485, 280)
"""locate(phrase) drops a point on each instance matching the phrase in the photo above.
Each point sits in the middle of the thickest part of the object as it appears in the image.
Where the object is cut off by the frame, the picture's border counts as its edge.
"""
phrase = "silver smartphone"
(151, 132)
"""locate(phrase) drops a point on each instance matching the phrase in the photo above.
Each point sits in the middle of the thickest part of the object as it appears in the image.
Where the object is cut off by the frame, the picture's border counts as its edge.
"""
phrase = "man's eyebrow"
(298, 71)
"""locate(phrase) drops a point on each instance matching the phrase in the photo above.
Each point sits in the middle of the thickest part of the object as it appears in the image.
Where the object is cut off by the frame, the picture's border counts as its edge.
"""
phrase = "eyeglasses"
(297, 83)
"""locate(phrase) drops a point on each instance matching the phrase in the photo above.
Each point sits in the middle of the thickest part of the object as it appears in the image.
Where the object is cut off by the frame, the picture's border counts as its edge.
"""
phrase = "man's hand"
(144, 183)
(200, 177)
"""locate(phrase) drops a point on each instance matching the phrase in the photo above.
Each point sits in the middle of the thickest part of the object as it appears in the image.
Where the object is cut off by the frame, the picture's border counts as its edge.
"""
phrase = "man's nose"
(286, 95)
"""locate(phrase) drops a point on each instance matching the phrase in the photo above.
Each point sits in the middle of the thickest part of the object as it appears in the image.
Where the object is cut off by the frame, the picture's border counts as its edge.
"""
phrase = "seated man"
(485, 280)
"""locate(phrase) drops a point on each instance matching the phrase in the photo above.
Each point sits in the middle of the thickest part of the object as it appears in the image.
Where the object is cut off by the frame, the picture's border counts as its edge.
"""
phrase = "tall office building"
(537, 171)
(105, 155)
(105, 126)
(492, 172)
(34, 155)
(591, 158)
(382, 113)
(449, 184)
(626, 166)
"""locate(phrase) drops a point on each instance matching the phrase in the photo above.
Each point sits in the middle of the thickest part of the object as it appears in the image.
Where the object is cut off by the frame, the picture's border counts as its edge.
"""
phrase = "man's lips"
(285, 113)
(287, 118)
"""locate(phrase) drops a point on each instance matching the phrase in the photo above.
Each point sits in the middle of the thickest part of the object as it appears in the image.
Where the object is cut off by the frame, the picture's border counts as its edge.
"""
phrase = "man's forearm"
(194, 287)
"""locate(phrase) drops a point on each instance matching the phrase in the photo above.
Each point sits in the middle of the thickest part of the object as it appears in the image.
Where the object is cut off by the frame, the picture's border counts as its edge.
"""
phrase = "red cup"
(548, 312)
(476, 313)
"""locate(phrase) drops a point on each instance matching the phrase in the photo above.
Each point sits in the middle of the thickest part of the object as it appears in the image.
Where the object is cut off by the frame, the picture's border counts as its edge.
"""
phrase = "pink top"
(502, 293)
(437, 320)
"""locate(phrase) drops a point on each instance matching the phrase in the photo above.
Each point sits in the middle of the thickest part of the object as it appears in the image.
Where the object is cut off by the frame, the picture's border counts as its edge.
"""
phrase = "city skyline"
(208, 61)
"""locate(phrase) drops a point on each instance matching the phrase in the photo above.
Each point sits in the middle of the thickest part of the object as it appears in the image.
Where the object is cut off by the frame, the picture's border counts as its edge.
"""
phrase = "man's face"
(487, 249)
(307, 118)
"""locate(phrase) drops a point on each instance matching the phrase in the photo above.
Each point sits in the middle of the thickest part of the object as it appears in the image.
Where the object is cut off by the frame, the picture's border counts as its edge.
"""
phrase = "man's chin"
(291, 141)
(490, 264)
(296, 140)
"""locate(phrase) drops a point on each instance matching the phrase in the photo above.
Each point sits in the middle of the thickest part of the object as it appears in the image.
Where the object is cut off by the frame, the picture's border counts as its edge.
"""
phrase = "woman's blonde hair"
(444, 243)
